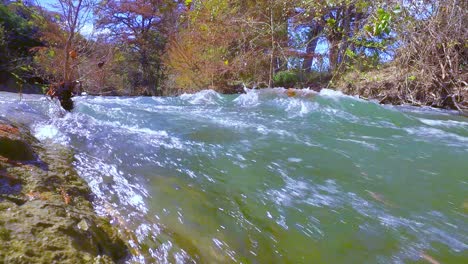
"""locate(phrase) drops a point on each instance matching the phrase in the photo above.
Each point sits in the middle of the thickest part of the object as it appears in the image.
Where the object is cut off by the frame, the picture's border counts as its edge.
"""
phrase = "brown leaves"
(291, 92)
(7, 129)
(66, 197)
(73, 54)
(31, 195)
(433, 53)
(378, 197)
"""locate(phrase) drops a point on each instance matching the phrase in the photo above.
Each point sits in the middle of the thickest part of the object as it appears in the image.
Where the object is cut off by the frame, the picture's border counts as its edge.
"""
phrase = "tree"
(143, 25)
(199, 55)
(74, 15)
(345, 26)
(64, 48)
(18, 35)
(223, 42)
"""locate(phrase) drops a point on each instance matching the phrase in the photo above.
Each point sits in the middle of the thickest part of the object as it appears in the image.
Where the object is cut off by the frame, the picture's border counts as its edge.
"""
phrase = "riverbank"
(390, 86)
(46, 214)
(386, 85)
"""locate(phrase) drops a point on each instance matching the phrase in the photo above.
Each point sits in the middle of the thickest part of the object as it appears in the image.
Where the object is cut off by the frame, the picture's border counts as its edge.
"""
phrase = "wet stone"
(46, 215)
(15, 150)
(83, 225)
(12, 145)
(9, 187)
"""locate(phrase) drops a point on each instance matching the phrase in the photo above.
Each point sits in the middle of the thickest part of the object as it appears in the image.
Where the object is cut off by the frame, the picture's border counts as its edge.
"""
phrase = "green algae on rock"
(45, 211)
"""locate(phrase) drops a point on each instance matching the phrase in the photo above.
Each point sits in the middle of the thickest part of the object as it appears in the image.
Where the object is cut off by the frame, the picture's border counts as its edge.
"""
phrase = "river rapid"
(266, 178)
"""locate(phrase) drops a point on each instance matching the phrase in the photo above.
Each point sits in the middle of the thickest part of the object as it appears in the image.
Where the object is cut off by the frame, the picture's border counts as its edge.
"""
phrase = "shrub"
(285, 79)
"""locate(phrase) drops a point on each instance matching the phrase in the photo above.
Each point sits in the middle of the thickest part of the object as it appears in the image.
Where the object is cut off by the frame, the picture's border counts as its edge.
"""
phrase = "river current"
(266, 178)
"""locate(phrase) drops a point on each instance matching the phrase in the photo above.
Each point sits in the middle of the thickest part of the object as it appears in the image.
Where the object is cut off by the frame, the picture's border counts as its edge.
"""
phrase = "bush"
(285, 79)
(433, 57)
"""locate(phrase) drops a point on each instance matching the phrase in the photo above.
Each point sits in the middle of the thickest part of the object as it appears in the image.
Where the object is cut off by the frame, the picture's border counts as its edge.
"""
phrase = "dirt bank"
(390, 86)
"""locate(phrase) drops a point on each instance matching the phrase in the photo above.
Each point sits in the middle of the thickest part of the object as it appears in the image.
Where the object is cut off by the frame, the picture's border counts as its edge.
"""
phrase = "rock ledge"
(46, 215)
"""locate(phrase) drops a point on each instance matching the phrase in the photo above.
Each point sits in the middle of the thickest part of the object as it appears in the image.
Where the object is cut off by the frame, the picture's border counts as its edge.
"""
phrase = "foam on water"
(50, 132)
(107, 178)
(444, 123)
(202, 97)
(249, 99)
(429, 134)
(337, 95)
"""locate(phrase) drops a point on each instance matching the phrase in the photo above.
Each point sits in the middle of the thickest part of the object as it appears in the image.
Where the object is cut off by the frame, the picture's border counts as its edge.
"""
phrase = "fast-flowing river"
(264, 178)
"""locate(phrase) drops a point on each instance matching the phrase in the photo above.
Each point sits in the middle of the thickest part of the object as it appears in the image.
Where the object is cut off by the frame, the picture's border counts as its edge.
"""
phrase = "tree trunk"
(72, 13)
(67, 67)
(345, 38)
(272, 56)
(312, 41)
(333, 57)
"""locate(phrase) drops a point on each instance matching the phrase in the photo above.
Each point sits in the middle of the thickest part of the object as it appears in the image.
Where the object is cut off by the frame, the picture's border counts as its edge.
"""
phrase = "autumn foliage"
(166, 47)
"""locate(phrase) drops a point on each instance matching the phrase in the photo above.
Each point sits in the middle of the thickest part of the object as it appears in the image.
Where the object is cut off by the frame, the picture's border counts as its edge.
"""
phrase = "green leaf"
(331, 22)
(397, 9)
(51, 53)
(350, 53)
(368, 28)
(381, 12)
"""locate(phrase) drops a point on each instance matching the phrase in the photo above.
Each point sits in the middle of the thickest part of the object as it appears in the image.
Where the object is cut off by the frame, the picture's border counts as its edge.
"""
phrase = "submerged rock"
(46, 215)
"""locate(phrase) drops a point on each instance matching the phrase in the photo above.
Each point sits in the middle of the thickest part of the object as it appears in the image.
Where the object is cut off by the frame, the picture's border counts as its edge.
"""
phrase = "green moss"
(15, 149)
(55, 222)
(5, 234)
(285, 79)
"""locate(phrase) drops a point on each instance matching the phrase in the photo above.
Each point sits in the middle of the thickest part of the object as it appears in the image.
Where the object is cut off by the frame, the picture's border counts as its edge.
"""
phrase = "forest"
(397, 52)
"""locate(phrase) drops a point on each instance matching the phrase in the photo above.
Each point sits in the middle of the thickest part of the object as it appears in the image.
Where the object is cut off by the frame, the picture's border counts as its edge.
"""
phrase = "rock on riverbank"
(46, 215)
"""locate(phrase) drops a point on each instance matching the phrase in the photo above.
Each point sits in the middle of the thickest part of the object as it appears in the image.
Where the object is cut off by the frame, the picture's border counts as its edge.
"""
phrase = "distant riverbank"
(382, 85)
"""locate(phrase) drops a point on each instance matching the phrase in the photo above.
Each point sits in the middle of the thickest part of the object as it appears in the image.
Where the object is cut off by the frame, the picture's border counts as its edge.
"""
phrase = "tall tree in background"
(266, 23)
(74, 14)
(199, 55)
(356, 32)
(147, 46)
(64, 47)
(339, 22)
(223, 42)
(144, 25)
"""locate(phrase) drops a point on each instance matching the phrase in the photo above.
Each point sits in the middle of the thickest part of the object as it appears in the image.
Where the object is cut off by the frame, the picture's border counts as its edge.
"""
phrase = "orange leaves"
(44, 196)
(201, 55)
(291, 92)
(7, 129)
(66, 197)
(31, 195)
(73, 54)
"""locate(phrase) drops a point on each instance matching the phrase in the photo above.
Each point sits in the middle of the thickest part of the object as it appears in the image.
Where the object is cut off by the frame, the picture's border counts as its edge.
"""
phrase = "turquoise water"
(264, 178)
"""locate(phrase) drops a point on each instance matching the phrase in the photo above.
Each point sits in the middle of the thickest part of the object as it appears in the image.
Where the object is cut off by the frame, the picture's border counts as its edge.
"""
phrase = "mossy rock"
(49, 217)
(12, 145)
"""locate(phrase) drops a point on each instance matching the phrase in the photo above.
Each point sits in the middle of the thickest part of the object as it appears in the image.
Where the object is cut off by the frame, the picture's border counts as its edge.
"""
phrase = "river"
(265, 178)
